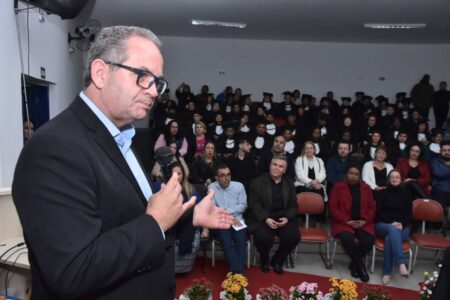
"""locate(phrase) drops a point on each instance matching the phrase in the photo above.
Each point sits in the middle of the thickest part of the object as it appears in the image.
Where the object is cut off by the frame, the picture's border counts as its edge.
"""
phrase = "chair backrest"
(427, 210)
(309, 203)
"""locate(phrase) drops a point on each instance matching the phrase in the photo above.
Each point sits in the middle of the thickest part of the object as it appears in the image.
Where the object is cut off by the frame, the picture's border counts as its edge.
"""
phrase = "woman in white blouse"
(310, 171)
(375, 171)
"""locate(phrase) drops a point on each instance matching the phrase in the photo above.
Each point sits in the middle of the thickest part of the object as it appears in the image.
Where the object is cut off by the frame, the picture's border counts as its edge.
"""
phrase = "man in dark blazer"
(272, 212)
(93, 227)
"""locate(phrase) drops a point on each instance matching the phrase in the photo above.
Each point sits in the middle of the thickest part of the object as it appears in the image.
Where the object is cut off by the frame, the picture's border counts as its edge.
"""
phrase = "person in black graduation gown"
(260, 139)
(287, 105)
(242, 162)
(227, 143)
(358, 109)
(276, 149)
(441, 104)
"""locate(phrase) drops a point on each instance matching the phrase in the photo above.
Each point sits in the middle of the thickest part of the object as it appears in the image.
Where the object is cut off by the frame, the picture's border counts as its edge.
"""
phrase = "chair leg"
(248, 254)
(295, 252)
(372, 267)
(327, 245)
(333, 254)
(415, 257)
(213, 253)
(409, 266)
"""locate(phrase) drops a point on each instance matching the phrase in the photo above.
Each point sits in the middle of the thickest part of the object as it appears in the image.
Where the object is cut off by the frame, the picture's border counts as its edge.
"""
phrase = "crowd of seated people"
(353, 153)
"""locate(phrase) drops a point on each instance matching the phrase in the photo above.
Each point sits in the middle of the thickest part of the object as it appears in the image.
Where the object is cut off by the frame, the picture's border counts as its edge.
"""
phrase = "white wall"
(314, 68)
(49, 49)
(256, 66)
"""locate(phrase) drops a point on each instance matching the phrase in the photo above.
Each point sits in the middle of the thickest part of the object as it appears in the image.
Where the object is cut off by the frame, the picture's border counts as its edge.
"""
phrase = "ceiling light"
(395, 25)
(217, 23)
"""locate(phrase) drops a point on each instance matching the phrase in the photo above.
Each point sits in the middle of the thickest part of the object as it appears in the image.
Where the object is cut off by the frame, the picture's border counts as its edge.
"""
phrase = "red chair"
(379, 244)
(427, 210)
(311, 203)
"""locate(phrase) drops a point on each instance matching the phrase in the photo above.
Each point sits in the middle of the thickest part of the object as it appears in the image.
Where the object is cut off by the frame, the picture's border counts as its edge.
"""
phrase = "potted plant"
(200, 289)
(272, 293)
(305, 291)
(234, 287)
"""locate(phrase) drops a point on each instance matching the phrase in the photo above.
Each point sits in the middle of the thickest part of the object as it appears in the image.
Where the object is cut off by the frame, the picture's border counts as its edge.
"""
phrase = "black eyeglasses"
(145, 79)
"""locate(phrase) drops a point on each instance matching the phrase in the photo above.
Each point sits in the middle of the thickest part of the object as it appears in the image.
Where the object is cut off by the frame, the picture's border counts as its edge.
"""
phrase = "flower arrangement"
(305, 291)
(376, 293)
(200, 289)
(427, 285)
(272, 293)
(342, 289)
(234, 287)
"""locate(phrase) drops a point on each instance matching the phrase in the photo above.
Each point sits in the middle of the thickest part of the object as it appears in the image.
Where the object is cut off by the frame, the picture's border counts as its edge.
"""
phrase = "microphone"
(164, 157)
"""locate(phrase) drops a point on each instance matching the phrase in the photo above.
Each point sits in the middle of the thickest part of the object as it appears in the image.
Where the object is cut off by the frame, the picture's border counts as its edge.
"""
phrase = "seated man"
(440, 172)
(231, 195)
(277, 149)
(272, 212)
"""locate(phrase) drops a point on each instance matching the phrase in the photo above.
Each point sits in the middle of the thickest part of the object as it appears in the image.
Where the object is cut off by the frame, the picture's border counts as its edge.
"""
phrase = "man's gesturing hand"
(206, 214)
(167, 205)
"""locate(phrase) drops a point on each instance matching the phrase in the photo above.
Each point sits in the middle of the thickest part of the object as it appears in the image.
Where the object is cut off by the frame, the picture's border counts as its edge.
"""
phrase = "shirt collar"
(122, 137)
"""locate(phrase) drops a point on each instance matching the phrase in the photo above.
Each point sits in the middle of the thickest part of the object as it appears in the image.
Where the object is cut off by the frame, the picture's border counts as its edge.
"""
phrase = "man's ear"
(99, 73)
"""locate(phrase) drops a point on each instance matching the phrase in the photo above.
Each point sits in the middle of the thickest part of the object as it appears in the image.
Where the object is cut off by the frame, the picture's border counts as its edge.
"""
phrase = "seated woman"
(187, 237)
(352, 210)
(203, 169)
(310, 171)
(173, 132)
(375, 172)
(200, 138)
(394, 209)
(415, 172)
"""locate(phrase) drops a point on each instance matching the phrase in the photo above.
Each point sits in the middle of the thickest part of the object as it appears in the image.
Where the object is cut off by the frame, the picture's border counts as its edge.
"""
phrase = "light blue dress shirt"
(233, 198)
(123, 139)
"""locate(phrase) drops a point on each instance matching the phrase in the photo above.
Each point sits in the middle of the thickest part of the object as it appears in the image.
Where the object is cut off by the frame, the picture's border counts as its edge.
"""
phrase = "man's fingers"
(173, 181)
(209, 196)
(223, 211)
(187, 205)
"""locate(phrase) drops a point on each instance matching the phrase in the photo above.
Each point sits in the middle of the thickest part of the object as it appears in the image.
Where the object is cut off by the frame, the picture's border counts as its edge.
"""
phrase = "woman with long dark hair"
(415, 172)
(173, 132)
(203, 169)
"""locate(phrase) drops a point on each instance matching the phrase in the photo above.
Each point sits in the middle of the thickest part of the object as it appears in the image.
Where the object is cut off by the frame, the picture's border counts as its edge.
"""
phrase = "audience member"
(277, 149)
(231, 196)
(375, 172)
(415, 172)
(203, 168)
(337, 164)
(242, 163)
(441, 104)
(272, 212)
(171, 133)
(394, 210)
(440, 171)
(352, 209)
(310, 172)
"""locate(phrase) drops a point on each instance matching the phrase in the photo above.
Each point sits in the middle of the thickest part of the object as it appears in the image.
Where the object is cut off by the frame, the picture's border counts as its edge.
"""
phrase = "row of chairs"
(423, 210)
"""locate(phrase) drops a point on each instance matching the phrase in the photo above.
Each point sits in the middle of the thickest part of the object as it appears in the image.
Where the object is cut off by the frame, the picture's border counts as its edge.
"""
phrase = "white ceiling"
(301, 20)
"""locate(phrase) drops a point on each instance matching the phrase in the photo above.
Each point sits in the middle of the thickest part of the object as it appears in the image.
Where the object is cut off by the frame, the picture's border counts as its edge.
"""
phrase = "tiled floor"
(308, 261)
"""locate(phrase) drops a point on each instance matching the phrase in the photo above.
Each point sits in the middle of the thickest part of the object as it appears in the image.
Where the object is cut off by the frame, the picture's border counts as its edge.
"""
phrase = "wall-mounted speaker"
(66, 9)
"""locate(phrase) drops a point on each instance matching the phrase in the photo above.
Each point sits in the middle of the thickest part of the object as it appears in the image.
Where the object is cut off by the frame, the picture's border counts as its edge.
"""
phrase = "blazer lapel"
(106, 142)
